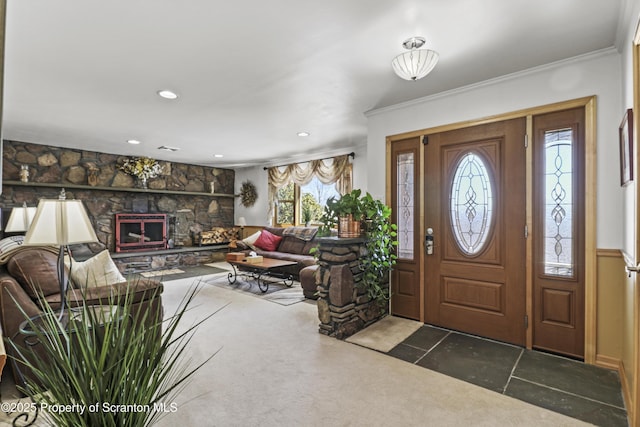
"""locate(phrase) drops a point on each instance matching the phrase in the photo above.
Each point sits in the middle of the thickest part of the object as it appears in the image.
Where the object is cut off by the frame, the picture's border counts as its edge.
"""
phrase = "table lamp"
(20, 219)
(60, 222)
(242, 222)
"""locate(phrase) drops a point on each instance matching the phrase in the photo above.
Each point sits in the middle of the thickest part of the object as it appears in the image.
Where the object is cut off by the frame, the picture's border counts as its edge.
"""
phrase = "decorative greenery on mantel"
(141, 167)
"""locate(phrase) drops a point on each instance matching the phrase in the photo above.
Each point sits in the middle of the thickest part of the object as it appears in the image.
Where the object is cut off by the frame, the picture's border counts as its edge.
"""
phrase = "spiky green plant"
(126, 372)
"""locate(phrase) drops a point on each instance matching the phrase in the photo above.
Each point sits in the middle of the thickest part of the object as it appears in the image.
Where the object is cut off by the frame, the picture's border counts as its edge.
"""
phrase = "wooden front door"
(475, 195)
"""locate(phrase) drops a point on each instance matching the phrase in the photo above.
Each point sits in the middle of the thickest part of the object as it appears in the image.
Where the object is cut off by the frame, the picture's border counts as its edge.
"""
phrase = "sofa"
(295, 245)
(30, 275)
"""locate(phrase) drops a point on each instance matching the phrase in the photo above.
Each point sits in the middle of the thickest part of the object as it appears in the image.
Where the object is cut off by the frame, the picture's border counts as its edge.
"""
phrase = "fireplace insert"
(141, 232)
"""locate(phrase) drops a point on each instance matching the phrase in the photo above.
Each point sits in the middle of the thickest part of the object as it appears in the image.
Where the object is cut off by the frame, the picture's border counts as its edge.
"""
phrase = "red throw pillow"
(267, 241)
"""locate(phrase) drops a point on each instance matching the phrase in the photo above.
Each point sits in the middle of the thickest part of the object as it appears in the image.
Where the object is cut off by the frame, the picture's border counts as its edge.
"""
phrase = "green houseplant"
(344, 213)
(381, 245)
(125, 373)
(374, 218)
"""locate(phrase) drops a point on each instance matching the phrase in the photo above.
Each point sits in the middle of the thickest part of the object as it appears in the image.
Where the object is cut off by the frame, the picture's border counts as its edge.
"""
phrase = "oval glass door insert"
(471, 202)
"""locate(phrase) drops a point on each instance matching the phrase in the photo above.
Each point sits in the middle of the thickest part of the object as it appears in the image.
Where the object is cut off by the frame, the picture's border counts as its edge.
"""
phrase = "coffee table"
(262, 272)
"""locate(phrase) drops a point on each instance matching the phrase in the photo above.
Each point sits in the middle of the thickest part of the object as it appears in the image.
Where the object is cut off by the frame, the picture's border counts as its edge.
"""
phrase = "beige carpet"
(385, 334)
(273, 368)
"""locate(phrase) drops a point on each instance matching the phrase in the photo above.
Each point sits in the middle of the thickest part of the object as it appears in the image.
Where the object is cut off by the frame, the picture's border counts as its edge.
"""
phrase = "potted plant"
(344, 213)
(380, 246)
(379, 232)
(132, 360)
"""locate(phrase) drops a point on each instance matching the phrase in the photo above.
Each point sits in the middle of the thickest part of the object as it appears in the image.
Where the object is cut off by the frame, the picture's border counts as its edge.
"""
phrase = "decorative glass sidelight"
(558, 203)
(405, 205)
(471, 204)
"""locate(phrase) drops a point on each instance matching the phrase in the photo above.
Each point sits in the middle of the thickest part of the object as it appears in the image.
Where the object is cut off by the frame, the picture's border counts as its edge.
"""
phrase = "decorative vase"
(142, 182)
(348, 227)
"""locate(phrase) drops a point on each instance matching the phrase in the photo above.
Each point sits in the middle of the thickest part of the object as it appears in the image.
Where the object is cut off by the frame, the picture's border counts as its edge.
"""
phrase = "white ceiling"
(253, 73)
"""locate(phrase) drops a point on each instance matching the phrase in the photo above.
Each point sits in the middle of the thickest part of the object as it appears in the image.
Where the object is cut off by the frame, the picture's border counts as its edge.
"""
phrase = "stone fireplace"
(140, 232)
(181, 192)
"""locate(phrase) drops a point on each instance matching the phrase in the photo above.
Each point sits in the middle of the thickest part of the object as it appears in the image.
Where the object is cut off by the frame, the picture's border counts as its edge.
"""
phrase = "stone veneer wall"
(48, 164)
(344, 308)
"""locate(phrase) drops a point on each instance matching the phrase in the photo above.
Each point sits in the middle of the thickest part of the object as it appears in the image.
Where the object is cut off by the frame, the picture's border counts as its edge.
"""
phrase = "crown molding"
(507, 77)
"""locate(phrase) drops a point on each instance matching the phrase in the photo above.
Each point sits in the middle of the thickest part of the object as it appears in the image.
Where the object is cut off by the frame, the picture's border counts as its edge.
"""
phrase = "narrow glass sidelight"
(405, 205)
(471, 204)
(558, 203)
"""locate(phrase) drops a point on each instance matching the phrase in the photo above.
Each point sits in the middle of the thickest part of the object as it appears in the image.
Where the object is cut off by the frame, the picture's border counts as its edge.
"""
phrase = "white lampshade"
(415, 63)
(242, 222)
(60, 222)
(20, 219)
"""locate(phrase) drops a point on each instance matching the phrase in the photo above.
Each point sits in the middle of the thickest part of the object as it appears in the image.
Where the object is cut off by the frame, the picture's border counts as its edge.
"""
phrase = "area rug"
(221, 265)
(385, 334)
(277, 292)
(157, 273)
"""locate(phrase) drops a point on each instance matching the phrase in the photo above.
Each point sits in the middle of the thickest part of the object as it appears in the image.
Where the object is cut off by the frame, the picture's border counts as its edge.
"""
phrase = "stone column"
(344, 307)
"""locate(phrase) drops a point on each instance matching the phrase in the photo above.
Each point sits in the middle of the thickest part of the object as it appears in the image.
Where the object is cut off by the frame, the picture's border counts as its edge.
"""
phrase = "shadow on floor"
(572, 388)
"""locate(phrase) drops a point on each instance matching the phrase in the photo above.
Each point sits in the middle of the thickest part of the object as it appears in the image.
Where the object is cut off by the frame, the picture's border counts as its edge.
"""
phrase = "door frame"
(589, 104)
(633, 403)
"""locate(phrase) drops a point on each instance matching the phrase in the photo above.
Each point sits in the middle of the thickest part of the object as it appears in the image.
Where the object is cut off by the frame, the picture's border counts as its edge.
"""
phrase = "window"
(298, 192)
(471, 201)
(302, 204)
(405, 207)
(314, 196)
(285, 204)
(559, 203)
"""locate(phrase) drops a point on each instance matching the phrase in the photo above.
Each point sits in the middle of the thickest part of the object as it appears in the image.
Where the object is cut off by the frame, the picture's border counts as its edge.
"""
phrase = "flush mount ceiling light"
(167, 94)
(302, 134)
(415, 63)
(133, 141)
(217, 156)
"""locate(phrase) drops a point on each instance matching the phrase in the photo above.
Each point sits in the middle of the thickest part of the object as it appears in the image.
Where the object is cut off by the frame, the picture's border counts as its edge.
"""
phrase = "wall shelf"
(123, 189)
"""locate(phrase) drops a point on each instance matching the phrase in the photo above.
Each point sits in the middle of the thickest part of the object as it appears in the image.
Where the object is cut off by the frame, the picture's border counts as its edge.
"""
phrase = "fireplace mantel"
(124, 189)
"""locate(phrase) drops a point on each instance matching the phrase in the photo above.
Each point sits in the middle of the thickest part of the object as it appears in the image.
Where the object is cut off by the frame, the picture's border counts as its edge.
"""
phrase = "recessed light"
(133, 141)
(167, 94)
(303, 134)
(218, 155)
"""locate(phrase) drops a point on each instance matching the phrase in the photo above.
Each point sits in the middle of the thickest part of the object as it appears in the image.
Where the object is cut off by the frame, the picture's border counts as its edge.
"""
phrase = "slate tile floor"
(581, 391)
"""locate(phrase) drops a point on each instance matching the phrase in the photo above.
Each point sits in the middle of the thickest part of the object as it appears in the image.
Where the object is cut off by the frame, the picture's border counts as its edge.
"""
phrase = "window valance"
(332, 170)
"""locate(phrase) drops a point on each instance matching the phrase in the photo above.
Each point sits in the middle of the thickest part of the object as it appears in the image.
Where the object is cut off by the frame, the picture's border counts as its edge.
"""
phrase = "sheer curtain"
(336, 170)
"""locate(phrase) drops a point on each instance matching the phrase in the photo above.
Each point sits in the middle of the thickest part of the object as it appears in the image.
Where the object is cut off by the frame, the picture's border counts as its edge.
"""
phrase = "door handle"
(428, 241)
(632, 269)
